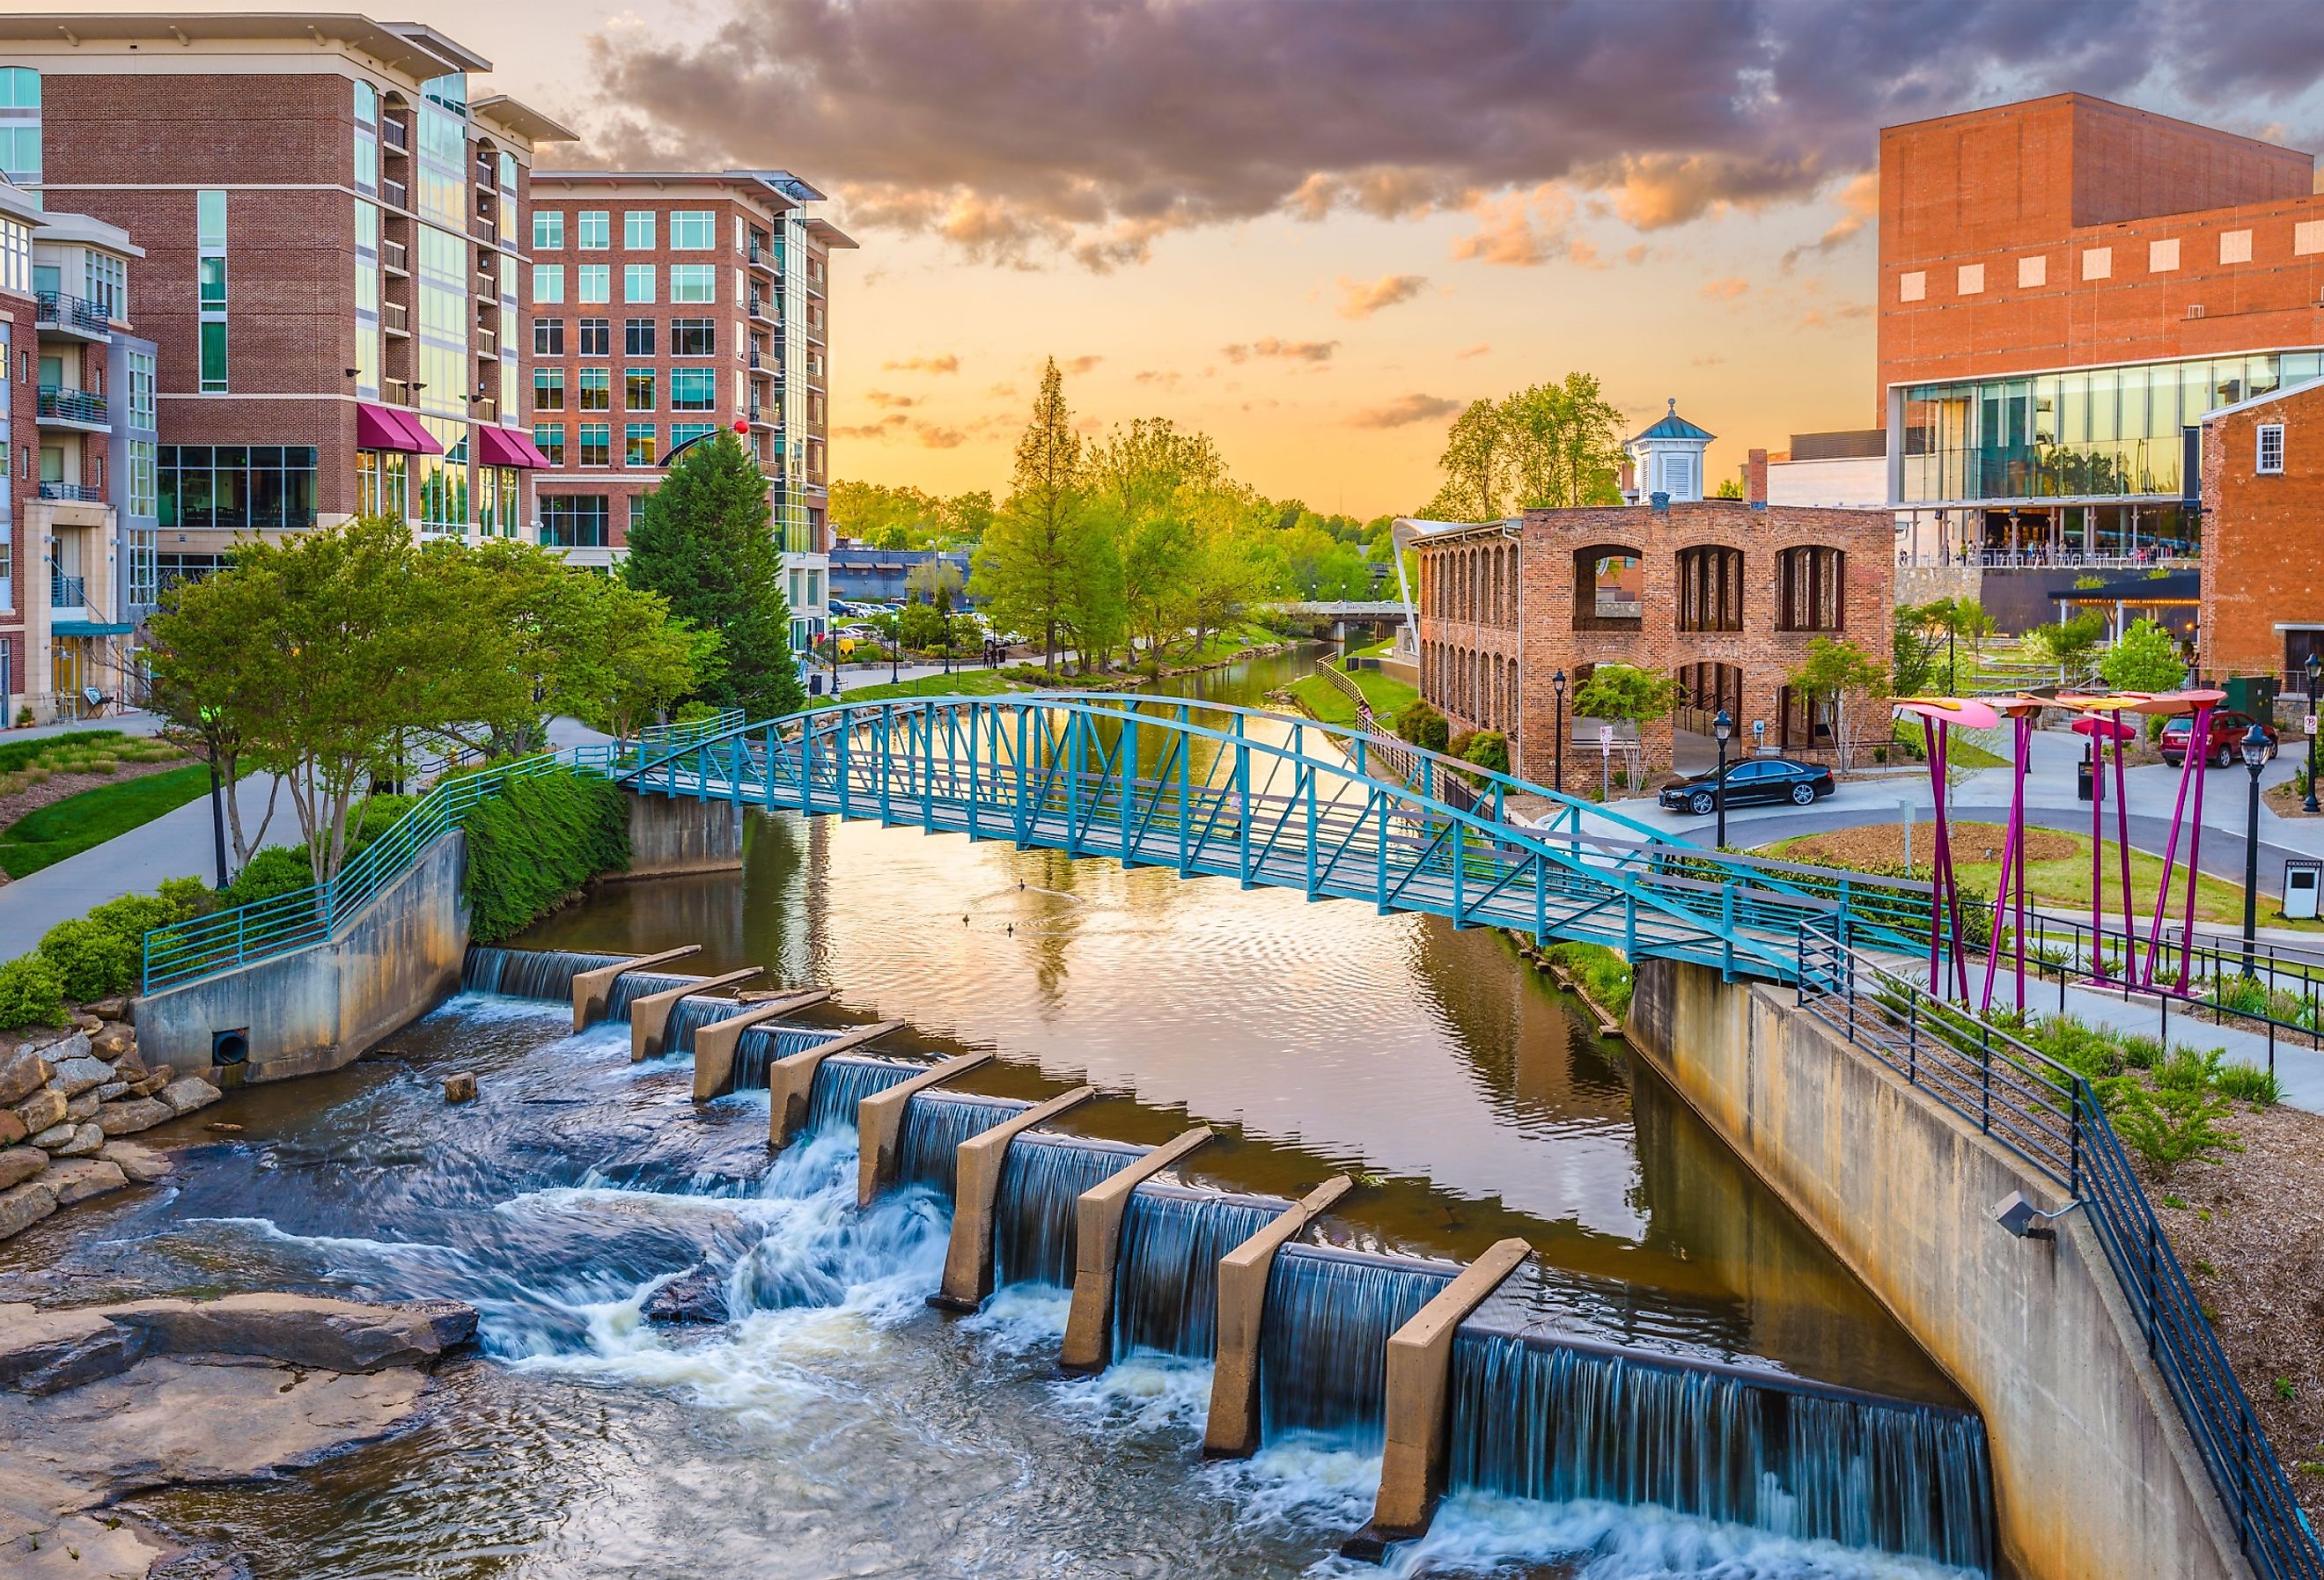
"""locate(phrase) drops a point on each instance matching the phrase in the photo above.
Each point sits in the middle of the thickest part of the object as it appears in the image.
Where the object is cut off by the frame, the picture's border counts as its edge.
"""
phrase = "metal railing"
(762, 257)
(758, 309)
(394, 193)
(394, 317)
(2050, 1117)
(394, 132)
(64, 405)
(687, 732)
(66, 592)
(53, 309)
(394, 255)
(266, 929)
(87, 493)
(488, 342)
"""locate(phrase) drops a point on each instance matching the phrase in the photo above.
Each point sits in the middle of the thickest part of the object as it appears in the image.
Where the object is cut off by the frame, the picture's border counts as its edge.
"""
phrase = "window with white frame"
(693, 283)
(548, 230)
(2271, 447)
(693, 230)
(638, 230)
(548, 283)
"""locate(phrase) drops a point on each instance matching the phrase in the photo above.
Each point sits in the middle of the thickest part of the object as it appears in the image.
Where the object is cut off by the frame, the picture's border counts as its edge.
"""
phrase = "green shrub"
(93, 960)
(2140, 1051)
(531, 849)
(2250, 1084)
(2167, 1126)
(2243, 994)
(1602, 973)
(1487, 749)
(1424, 726)
(269, 875)
(31, 993)
(2186, 1070)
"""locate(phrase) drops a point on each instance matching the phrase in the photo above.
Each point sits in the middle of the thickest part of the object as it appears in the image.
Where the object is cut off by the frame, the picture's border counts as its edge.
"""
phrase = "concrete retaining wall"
(2094, 1473)
(670, 835)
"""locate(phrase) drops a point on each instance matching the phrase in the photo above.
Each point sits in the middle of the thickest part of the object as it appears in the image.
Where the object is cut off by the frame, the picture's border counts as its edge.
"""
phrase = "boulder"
(22, 1205)
(12, 1128)
(23, 1072)
(113, 1040)
(460, 1087)
(60, 1134)
(115, 1087)
(136, 1113)
(79, 1179)
(87, 1021)
(86, 1140)
(42, 1109)
(82, 1107)
(189, 1093)
(338, 1335)
(696, 1295)
(77, 1075)
(149, 1084)
(129, 1066)
(116, 1008)
(18, 1164)
(143, 1165)
(57, 1047)
(42, 1352)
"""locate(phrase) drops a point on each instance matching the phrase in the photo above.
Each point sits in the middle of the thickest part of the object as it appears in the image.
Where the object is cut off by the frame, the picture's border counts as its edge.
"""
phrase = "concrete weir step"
(1419, 1373)
(879, 1123)
(649, 1016)
(1231, 1429)
(714, 1044)
(976, 1187)
(1097, 1241)
(593, 989)
(790, 1080)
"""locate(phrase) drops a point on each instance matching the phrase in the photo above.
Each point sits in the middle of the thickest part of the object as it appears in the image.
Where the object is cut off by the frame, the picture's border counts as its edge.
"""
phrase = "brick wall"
(2260, 558)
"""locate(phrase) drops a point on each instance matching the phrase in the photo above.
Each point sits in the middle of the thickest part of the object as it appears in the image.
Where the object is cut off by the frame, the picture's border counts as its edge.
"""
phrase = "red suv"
(2225, 744)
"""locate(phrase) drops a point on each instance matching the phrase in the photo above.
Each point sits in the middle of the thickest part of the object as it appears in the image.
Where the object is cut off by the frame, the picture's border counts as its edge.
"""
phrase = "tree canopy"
(2145, 659)
(1544, 447)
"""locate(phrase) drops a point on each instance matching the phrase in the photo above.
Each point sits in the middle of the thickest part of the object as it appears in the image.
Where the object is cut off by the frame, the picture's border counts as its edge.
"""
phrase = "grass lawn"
(1961, 749)
(964, 682)
(1387, 697)
(73, 825)
(2057, 869)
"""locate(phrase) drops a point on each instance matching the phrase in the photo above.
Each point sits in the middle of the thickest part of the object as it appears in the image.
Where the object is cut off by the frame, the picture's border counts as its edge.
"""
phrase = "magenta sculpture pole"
(1935, 733)
(2188, 768)
(2012, 862)
(2098, 848)
(2122, 849)
(2198, 736)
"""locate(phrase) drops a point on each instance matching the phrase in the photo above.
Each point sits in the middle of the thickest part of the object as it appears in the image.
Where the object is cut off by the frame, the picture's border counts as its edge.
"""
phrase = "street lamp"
(1721, 728)
(2315, 672)
(2255, 758)
(218, 800)
(1557, 684)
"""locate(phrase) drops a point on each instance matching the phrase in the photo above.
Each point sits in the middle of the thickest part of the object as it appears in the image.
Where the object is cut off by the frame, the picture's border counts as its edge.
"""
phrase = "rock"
(127, 1118)
(338, 1336)
(151, 1082)
(113, 1042)
(22, 1205)
(86, 1139)
(460, 1087)
(83, 1107)
(23, 1072)
(12, 1128)
(191, 1093)
(143, 1165)
(75, 1076)
(129, 1066)
(42, 1109)
(696, 1295)
(117, 1088)
(41, 1352)
(87, 1021)
(78, 1179)
(18, 1164)
(61, 1046)
(116, 1008)
(60, 1134)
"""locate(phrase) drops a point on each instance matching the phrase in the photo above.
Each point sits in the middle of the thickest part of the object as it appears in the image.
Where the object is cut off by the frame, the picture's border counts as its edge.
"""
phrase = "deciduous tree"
(1043, 564)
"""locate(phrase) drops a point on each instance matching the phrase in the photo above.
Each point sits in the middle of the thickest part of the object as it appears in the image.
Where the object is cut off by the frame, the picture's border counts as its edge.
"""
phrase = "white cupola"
(1667, 458)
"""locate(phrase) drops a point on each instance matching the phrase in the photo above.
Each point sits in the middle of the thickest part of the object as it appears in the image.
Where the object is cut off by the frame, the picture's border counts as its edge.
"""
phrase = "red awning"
(384, 428)
(508, 447)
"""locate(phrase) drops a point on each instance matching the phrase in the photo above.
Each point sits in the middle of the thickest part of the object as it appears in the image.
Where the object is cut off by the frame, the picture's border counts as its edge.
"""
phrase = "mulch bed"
(60, 787)
(2252, 1240)
(1885, 841)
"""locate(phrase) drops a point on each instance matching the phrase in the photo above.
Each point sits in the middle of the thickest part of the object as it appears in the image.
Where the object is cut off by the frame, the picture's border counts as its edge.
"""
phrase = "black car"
(1752, 780)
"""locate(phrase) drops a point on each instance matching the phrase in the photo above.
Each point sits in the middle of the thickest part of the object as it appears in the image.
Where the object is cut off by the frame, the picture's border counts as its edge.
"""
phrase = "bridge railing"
(2051, 1118)
(686, 732)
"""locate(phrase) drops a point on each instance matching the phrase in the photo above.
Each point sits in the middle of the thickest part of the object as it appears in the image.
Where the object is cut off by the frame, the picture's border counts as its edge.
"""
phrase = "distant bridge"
(1343, 609)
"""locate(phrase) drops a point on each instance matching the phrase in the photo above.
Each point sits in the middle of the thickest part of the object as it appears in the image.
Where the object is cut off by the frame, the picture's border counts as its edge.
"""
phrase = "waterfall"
(934, 1125)
(1560, 1420)
(1165, 1289)
(840, 1082)
(690, 1014)
(761, 1046)
(1322, 1352)
(528, 974)
(632, 985)
(1033, 1226)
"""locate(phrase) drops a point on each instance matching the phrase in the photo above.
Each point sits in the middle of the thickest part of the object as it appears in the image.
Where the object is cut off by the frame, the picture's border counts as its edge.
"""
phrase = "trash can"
(2302, 880)
(2082, 780)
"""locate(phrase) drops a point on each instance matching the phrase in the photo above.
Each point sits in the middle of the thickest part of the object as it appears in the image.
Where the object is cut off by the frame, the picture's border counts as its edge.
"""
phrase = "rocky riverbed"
(67, 1096)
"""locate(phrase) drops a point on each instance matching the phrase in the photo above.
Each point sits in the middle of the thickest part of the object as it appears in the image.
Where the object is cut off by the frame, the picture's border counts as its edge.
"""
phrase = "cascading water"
(1323, 1347)
(692, 1014)
(842, 1082)
(631, 986)
(1559, 1421)
(761, 1046)
(528, 974)
(934, 1125)
(1166, 1275)
(1033, 1226)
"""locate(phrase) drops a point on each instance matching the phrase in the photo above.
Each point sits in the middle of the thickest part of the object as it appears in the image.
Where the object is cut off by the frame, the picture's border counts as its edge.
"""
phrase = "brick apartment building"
(2260, 609)
(331, 233)
(666, 306)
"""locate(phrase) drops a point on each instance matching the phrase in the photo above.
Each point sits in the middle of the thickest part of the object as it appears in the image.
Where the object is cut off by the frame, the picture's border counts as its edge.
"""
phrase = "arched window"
(1811, 589)
(1705, 689)
(1710, 590)
(1607, 588)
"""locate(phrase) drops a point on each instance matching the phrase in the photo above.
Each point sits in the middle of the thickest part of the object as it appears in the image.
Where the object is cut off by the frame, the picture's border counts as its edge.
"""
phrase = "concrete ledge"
(1419, 1370)
(1231, 1429)
(790, 1081)
(649, 1016)
(880, 1122)
(591, 989)
(1097, 1240)
(674, 836)
(714, 1044)
(976, 1186)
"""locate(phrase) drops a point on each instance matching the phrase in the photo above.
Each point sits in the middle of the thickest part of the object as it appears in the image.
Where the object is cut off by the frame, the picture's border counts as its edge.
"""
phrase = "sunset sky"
(1317, 228)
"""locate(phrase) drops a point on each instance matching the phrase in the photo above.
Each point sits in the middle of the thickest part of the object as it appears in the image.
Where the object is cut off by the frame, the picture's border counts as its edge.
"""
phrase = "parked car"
(1752, 781)
(2224, 742)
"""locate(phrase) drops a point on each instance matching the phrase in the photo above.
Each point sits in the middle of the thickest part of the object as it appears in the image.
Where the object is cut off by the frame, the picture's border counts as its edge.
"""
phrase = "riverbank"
(967, 682)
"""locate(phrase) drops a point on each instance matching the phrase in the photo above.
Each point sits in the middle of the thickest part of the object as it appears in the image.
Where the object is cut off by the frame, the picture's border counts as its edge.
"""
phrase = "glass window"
(142, 489)
(593, 230)
(638, 446)
(508, 172)
(213, 345)
(142, 403)
(638, 282)
(549, 389)
(693, 389)
(596, 336)
(549, 336)
(16, 261)
(596, 283)
(638, 337)
(597, 444)
(212, 273)
(549, 283)
(548, 230)
(597, 389)
(238, 488)
(638, 390)
(694, 337)
(366, 162)
(638, 230)
(209, 219)
(549, 436)
(2271, 447)
(573, 520)
(693, 230)
(686, 432)
(693, 283)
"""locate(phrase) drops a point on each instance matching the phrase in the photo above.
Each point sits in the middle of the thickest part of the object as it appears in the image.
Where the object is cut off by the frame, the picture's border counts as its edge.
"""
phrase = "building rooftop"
(2303, 387)
(779, 188)
(406, 46)
(1673, 426)
(521, 119)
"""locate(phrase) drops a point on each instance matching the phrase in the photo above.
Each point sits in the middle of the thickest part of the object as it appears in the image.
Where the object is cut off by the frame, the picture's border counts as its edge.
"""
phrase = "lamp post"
(2315, 672)
(1721, 727)
(218, 800)
(1557, 684)
(2255, 758)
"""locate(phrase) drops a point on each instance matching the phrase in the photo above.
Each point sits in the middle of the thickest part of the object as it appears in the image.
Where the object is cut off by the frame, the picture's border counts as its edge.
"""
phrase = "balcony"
(73, 492)
(759, 417)
(488, 344)
(394, 193)
(760, 310)
(394, 257)
(396, 135)
(488, 407)
(763, 257)
(70, 315)
(486, 232)
(63, 408)
(395, 317)
(396, 391)
(66, 592)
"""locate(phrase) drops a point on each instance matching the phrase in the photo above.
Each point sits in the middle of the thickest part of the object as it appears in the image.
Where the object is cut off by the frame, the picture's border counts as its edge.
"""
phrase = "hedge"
(533, 846)
(93, 956)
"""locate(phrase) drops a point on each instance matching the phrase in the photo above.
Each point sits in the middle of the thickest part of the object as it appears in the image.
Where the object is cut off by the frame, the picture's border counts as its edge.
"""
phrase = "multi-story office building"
(666, 306)
(332, 258)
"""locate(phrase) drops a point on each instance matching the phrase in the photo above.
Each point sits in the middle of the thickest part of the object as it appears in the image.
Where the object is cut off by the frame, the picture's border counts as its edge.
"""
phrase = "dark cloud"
(1405, 411)
(1028, 130)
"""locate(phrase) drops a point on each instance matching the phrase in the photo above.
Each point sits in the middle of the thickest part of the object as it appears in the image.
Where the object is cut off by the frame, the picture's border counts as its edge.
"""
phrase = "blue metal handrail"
(71, 312)
(686, 732)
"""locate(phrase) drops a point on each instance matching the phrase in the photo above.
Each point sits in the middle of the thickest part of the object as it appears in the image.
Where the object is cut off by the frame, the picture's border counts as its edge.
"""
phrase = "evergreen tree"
(704, 541)
(1047, 564)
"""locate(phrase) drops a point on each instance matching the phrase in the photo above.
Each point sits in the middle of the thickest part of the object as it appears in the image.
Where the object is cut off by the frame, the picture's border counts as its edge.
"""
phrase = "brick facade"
(2262, 570)
(1504, 607)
